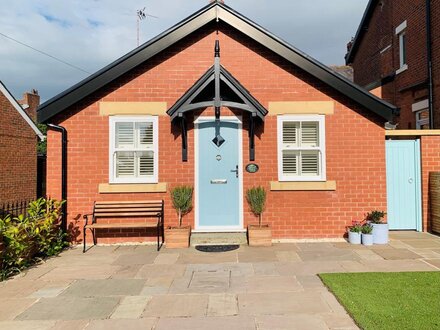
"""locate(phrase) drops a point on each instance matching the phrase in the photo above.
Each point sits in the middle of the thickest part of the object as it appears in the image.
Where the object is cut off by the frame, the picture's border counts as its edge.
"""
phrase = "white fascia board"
(20, 110)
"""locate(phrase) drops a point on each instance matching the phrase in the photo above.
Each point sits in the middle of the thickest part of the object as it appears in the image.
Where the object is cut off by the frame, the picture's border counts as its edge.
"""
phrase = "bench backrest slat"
(128, 209)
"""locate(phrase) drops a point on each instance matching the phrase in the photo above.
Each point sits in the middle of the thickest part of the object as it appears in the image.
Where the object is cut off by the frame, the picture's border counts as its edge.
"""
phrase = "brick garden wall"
(355, 143)
(18, 155)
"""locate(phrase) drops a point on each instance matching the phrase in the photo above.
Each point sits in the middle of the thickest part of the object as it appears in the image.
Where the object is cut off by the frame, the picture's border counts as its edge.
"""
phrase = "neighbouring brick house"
(200, 102)
(389, 56)
(18, 146)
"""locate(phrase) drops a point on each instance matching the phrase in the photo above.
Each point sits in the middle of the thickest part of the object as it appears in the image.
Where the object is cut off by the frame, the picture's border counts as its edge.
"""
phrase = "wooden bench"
(126, 209)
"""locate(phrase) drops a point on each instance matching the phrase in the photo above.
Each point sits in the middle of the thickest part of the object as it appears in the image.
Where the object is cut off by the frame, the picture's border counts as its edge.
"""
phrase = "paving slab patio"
(136, 287)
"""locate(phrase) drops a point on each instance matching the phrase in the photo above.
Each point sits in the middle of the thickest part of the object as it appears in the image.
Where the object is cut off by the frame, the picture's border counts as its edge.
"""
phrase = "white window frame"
(322, 147)
(403, 55)
(112, 138)
(421, 122)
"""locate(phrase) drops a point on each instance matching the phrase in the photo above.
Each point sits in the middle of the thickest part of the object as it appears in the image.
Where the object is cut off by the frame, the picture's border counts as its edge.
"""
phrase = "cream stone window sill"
(105, 188)
(303, 186)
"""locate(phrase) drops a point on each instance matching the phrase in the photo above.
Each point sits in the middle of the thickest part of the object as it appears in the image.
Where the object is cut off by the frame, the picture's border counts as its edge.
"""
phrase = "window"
(301, 148)
(401, 34)
(422, 119)
(133, 149)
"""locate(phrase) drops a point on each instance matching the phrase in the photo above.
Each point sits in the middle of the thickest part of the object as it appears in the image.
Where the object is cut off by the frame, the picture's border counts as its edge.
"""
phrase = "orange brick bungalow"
(199, 103)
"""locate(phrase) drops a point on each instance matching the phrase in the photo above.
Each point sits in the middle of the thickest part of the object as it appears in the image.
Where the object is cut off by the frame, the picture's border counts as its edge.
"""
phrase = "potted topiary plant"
(258, 235)
(354, 233)
(367, 234)
(380, 228)
(178, 237)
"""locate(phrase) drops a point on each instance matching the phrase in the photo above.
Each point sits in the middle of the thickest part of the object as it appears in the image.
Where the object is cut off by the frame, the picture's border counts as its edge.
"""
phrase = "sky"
(90, 34)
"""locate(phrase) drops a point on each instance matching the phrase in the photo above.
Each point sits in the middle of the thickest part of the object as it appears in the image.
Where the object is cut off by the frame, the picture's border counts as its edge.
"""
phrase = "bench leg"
(84, 235)
(94, 236)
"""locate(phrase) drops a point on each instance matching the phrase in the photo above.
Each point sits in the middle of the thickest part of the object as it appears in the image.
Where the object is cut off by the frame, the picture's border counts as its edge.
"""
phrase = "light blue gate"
(218, 176)
(404, 184)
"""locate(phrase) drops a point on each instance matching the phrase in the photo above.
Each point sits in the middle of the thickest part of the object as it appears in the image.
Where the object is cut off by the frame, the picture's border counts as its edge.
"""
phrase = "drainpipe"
(63, 172)
(429, 62)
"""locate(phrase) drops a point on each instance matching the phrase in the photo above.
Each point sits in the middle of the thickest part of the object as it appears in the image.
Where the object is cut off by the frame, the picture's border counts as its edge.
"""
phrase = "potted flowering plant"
(380, 227)
(178, 237)
(354, 233)
(259, 235)
(367, 234)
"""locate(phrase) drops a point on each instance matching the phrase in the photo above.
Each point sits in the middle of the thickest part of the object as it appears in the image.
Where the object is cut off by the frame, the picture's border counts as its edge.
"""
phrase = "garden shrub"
(32, 236)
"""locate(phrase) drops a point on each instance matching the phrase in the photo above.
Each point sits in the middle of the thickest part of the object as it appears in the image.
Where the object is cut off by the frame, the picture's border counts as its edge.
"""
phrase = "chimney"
(30, 103)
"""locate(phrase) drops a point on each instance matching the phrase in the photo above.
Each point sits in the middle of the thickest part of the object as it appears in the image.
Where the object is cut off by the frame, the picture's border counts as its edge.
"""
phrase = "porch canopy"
(217, 88)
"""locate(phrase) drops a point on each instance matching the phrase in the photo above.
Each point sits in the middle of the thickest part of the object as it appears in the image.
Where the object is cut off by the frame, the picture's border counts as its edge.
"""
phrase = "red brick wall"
(355, 139)
(18, 155)
(430, 154)
(371, 65)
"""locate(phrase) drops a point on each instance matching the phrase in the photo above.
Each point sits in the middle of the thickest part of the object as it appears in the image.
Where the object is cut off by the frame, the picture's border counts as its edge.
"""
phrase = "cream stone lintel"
(303, 186)
(302, 108)
(132, 108)
(412, 132)
(105, 188)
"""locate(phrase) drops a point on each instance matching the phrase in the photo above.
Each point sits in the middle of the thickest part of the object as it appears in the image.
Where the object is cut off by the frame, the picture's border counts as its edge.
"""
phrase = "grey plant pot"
(367, 239)
(354, 238)
(380, 233)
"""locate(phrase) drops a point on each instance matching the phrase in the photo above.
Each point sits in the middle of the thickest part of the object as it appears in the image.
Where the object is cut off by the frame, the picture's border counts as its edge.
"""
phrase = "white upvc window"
(301, 148)
(133, 149)
(401, 34)
(422, 119)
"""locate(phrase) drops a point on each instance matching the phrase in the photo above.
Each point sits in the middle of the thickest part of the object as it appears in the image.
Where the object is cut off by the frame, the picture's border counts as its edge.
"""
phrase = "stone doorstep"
(218, 239)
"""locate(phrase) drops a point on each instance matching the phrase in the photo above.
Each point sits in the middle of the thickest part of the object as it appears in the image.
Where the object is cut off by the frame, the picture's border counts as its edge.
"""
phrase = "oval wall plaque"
(252, 168)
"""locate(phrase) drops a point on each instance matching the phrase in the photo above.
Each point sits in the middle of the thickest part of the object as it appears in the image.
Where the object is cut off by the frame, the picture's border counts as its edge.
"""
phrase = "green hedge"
(30, 237)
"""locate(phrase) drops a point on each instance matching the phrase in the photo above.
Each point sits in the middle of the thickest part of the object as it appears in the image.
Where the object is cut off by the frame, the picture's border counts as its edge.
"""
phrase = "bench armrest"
(86, 217)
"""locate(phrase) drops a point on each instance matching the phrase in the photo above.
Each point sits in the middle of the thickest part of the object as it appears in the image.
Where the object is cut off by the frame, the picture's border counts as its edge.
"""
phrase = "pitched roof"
(20, 110)
(207, 14)
(362, 29)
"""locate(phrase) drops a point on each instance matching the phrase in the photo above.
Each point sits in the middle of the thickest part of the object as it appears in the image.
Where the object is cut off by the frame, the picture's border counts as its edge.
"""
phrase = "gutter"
(63, 132)
(429, 63)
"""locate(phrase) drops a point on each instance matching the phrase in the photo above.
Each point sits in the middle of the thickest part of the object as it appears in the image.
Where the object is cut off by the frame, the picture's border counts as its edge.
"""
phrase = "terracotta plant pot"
(259, 236)
(177, 237)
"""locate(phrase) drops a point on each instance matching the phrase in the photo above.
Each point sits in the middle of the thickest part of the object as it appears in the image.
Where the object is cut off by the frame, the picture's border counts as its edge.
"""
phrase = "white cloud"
(90, 34)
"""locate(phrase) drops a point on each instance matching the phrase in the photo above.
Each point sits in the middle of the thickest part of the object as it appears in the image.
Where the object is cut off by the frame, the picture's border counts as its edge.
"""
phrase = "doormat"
(216, 248)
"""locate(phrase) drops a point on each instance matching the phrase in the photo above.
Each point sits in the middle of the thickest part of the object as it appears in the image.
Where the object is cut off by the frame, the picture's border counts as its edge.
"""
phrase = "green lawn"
(389, 300)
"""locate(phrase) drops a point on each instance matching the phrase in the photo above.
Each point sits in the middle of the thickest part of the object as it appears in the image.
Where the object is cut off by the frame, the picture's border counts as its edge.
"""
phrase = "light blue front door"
(403, 184)
(218, 176)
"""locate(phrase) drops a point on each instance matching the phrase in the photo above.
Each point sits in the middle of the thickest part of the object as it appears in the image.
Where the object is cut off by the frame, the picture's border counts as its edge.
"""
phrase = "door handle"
(236, 171)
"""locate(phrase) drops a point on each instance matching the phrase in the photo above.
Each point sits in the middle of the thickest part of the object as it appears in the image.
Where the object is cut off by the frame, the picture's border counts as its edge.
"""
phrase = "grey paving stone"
(310, 282)
(368, 255)
(287, 256)
(208, 280)
(131, 307)
(236, 269)
(128, 271)
(318, 246)
(296, 322)
(265, 268)
(434, 262)
(309, 268)
(260, 284)
(398, 266)
(26, 325)
(177, 306)
(206, 258)
(70, 325)
(257, 254)
(211, 323)
(20, 288)
(135, 259)
(398, 254)
(99, 270)
(139, 324)
(166, 259)
(70, 308)
(423, 243)
(328, 255)
(282, 303)
(339, 321)
(11, 307)
(222, 305)
(48, 292)
(149, 271)
(105, 288)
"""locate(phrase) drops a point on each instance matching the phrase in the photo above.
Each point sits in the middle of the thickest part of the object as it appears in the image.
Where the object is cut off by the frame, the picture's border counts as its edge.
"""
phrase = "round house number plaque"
(252, 168)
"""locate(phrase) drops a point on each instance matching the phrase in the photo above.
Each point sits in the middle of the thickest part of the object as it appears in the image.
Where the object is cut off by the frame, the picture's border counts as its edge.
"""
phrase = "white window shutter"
(145, 131)
(290, 133)
(309, 163)
(146, 163)
(290, 162)
(310, 134)
(125, 164)
(125, 135)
